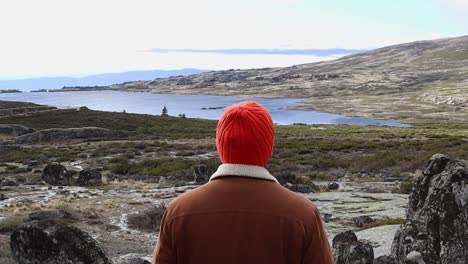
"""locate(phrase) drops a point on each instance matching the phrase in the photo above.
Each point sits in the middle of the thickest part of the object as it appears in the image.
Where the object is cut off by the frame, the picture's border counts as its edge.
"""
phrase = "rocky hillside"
(8, 109)
(418, 82)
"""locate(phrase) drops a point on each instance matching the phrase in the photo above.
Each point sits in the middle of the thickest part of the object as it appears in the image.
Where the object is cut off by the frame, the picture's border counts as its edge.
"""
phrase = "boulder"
(56, 174)
(202, 173)
(148, 219)
(286, 177)
(333, 186)
(436, 226)
(347, 249)
(62, 134)
(53, 215)
(136, 261)
(327, 217)
(7, 182)
(15, 130)
(49, 243)
(384, 260)
(362, 220)
(33, 163)
(89, 177)
(302, 188)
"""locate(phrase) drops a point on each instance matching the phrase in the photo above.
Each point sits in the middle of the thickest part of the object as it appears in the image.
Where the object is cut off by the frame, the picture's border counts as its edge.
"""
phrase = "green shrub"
(406, 187)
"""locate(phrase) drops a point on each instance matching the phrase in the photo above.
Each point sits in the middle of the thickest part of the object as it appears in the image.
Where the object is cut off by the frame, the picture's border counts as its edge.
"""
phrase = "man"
(242, 215)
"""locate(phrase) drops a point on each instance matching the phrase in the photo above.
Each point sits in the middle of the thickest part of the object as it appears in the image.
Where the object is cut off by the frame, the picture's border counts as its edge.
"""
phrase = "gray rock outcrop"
(15, 130)
(7, 182)
(302, 188)
(436, 226)
(49, 243)
(56, 174)
(347, 249)
(286, 177)
(333, 186)
(62, 134)
(148, 219)
(202, 173)
(54, 215)
(384, 260)
(363, 220)
(89, 178)
(136, 261)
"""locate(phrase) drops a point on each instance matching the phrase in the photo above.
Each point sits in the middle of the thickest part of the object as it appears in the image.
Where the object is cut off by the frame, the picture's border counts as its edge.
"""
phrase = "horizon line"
(316, 52)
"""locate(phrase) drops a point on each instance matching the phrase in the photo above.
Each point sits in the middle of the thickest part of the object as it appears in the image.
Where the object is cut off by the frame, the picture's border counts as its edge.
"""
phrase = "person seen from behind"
(242, 215)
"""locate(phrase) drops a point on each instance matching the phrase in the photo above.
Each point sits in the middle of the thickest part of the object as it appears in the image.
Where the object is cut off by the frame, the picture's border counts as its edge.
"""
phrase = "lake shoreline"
(285, 110)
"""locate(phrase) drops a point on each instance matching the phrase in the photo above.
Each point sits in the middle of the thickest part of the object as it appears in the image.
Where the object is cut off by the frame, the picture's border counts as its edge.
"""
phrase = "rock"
(202, 173)
(333, 186)
(3, 197)
(8, 182)
(347, 249)
(302, 188)
(111, 227)
(5, 148)
(15, 130)
(48, 243)
(327, 217)
(52, 216)
(62, 134)
(89, 177)
(436, 226)
(286, 177)
(56, 174)
(149, 219)
(136, 261)
(20, 179)
(363, 220)
(384, 260)
(33, 163)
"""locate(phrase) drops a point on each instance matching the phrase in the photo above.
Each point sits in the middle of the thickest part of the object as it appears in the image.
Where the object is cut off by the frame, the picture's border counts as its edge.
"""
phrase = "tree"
(164, 111)
(182, 115)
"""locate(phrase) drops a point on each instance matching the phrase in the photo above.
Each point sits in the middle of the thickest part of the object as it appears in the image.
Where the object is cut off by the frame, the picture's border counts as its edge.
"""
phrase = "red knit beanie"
(245, 134)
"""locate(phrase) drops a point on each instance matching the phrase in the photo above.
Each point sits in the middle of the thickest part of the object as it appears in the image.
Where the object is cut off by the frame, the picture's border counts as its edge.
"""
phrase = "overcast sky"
(64, 37)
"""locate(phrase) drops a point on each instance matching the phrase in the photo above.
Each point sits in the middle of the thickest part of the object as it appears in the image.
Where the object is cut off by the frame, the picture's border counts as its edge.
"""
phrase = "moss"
(406, 187)
(386, 221)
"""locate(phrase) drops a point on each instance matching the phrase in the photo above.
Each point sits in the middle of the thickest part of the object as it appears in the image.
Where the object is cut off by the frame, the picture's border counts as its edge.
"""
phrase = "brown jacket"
(244, 220)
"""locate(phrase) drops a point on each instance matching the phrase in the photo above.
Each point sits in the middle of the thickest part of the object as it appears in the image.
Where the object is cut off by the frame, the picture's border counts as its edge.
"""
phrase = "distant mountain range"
(419, 82)
(315, 52)
(91, 80)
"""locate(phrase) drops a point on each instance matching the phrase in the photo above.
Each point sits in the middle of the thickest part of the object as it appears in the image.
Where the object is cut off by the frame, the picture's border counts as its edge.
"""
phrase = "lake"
(193, 106)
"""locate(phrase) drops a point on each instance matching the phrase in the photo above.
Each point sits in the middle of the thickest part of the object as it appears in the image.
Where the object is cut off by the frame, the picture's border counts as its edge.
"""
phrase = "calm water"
(190, 105)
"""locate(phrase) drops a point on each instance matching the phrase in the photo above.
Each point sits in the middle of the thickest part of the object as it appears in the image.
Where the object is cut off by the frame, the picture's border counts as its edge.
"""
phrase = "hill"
(91, 80)
(418, 82)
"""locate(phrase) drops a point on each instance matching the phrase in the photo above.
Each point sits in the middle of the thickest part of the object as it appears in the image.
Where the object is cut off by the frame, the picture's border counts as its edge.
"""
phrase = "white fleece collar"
(243, 170)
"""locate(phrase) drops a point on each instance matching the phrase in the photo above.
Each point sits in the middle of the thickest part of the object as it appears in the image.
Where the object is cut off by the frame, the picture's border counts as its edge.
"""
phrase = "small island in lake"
(10, 91)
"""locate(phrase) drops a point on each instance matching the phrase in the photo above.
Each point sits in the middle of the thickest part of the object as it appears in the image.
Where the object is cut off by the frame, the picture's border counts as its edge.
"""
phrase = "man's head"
(245, 134)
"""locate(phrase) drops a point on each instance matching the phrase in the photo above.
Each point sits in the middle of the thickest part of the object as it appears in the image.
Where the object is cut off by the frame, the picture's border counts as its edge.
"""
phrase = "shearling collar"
(243, 170)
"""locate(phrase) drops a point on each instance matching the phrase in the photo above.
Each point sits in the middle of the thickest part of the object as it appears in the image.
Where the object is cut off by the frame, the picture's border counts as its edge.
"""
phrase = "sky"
(81, 37)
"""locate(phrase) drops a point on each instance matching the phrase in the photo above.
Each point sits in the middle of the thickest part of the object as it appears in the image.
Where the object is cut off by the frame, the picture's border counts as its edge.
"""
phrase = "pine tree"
(164, 111)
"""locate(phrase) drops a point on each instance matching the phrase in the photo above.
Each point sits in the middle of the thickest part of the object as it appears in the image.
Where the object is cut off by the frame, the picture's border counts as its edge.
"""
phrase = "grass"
(450, 55)
(11, 104)
(9, 223)
(159, 167)
(131, 125)
(156, 145)
(406, 187)
(383, 222)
